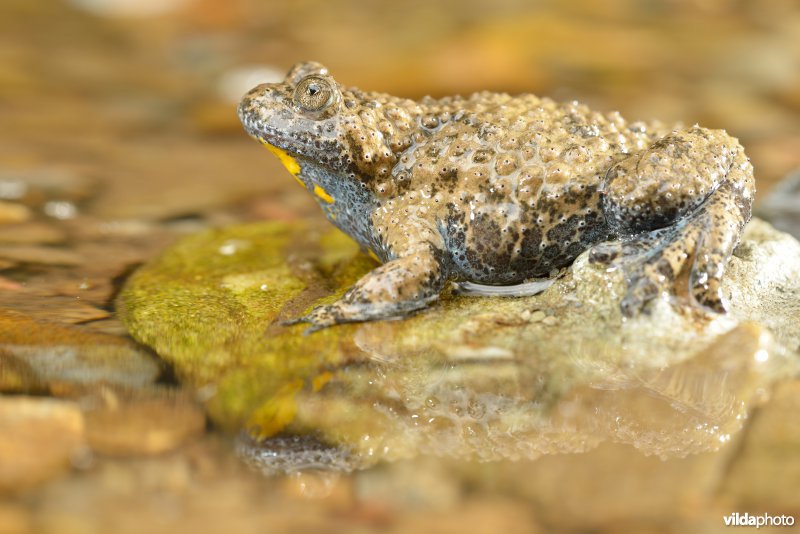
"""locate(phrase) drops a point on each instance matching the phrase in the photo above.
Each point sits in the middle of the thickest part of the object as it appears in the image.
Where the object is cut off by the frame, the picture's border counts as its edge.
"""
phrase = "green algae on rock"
(211, 307)
(482, 378)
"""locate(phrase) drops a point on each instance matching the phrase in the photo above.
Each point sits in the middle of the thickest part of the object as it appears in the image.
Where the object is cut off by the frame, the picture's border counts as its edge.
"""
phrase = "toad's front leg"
(394, 289)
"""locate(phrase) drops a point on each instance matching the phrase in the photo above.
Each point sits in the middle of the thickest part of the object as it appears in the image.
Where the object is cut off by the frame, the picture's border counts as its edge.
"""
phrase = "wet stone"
(17, 377)
(112, 326)
(12, 212)
(143, 422)
(39, 439)
(55, 308)
(41, 255)
(474, 378)
(53, 355)
(31, 232)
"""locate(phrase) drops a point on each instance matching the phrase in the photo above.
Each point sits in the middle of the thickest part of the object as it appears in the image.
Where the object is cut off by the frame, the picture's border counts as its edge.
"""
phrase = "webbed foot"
(693, 251)
(318, 318)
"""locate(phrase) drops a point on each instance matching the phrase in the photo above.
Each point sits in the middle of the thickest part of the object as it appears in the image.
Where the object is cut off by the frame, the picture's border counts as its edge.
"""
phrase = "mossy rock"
(209, 306)
(477, 377)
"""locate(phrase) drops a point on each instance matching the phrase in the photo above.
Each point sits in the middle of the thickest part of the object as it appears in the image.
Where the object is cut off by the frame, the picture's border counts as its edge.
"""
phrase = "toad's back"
(513, 181)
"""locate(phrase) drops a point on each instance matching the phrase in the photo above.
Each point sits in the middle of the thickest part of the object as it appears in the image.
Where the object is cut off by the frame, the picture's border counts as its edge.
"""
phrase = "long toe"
(641, 291)
(709, 295)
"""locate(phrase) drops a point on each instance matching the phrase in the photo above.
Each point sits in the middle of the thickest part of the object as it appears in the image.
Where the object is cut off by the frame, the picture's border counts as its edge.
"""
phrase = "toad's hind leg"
(679, 208)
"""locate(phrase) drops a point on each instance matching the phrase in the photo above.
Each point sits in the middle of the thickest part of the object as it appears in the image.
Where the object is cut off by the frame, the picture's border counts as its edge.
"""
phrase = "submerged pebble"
(147, 422)
(39, 439)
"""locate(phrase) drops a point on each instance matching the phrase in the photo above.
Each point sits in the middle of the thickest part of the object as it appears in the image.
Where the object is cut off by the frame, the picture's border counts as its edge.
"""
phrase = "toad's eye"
(313, 93)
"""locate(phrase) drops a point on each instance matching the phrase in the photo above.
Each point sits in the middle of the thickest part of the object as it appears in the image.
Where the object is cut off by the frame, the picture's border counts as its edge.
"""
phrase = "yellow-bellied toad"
(496, 189)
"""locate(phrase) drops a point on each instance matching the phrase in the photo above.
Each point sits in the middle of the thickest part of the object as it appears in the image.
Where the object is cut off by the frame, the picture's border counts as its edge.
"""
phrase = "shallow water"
(120, 139)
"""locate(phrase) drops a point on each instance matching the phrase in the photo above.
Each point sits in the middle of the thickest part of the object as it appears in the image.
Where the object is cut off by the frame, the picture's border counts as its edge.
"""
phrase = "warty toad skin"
(496, 189)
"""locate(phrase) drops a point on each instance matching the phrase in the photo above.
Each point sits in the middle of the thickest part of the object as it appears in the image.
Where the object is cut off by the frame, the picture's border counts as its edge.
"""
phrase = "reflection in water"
(292, 454)
(520, 407)
(470, 378)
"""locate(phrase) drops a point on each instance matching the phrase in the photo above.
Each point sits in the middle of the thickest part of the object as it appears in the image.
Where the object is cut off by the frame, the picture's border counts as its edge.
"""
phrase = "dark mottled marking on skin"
(496, 189)
(665, 269)
(575, 249)
(448, 176)
(565, 231)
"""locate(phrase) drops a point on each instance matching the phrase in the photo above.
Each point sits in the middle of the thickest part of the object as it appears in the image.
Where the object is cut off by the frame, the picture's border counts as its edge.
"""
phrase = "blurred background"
(119, 133)
(137, 97)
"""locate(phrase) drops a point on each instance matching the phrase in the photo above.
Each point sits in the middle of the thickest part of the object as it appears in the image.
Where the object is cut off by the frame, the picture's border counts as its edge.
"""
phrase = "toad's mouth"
(284, 137)
(257, 127)
(299, 152)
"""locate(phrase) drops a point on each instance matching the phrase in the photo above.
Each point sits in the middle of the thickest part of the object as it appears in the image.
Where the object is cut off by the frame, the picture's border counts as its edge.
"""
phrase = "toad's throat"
(288, 161)
(294, 169)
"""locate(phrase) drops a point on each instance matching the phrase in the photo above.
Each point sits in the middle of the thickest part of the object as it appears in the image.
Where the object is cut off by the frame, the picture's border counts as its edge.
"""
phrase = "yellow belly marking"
(288, 161)
(321, 193)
